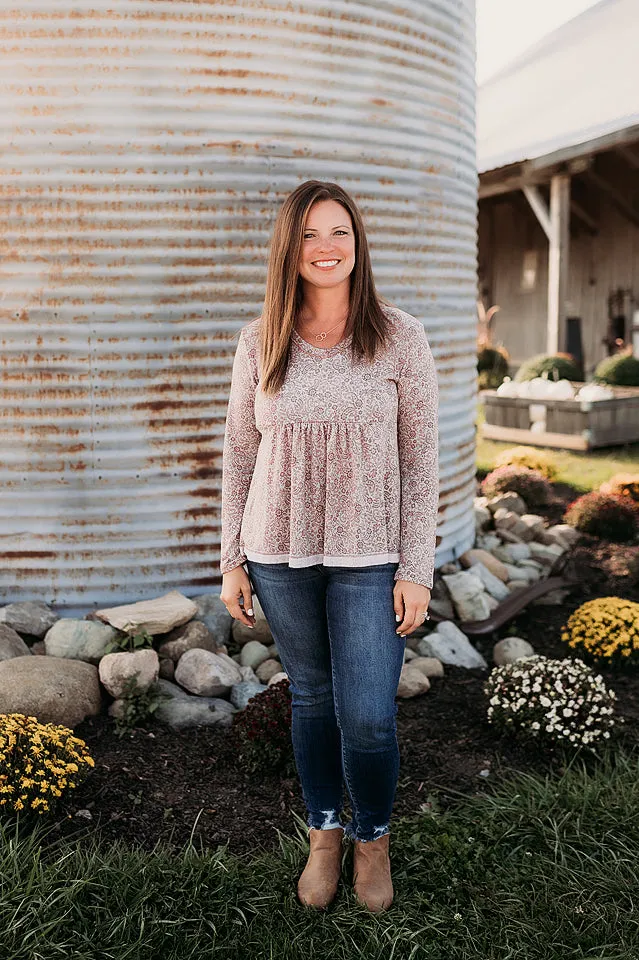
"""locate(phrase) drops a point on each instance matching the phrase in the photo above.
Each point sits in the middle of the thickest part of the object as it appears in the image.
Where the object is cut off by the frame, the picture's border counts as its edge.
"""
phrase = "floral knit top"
(340, 466)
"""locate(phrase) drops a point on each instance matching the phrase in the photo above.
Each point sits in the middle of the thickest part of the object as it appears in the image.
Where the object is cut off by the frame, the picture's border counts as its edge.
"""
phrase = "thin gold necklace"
(322, 336)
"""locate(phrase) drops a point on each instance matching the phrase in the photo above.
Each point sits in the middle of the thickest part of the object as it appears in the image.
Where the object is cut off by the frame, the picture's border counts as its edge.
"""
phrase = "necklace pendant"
(320, 336)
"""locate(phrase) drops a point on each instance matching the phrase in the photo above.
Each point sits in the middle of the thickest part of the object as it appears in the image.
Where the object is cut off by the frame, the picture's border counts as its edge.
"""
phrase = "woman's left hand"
(411, 604)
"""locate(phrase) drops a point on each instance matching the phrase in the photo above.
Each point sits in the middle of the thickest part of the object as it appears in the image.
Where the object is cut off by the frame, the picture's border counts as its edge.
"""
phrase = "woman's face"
(328, 245)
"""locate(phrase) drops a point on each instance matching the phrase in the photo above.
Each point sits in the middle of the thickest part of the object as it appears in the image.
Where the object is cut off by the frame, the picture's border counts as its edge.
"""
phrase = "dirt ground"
(158, 784)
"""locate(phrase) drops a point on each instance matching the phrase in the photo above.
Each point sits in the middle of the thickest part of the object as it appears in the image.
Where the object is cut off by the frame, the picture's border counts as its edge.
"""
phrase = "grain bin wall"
(147, 147)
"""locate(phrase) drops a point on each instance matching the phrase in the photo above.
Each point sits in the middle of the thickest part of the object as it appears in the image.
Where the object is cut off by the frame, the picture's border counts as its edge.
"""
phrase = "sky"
(505, 28)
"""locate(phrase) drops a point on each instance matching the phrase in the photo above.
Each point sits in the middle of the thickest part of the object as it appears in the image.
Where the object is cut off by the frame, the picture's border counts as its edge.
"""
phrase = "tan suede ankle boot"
(372, 873)
(317, 885)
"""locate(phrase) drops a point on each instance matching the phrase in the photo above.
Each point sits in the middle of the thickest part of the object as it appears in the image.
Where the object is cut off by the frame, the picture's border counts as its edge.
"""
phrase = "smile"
(325, 263)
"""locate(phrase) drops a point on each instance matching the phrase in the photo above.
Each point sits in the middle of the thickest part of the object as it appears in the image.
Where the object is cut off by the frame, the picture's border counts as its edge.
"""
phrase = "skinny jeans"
(335, 632)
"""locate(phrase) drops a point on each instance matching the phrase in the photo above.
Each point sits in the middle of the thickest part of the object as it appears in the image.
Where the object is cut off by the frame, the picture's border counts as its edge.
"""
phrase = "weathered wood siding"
(598, 265)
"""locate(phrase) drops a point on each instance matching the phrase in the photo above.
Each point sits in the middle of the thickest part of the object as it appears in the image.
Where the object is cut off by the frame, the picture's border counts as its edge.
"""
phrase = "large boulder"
(494, 585)
(448, 644)
(52, 689)
(412, 682)
(179, 709)
(190, 636)
(495, 566)
(468, 596)
(11, 644)
(79, 640)
(117, 668)
(212, 612)
(32, 618)
(159, 615)
(207, 674)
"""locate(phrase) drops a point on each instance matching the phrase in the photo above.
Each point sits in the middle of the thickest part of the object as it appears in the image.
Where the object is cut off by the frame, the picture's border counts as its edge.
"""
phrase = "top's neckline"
(324, 351)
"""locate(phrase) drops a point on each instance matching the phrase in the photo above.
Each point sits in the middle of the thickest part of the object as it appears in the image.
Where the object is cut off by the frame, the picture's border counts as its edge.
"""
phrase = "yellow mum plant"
(38, 763)
(528, 457)
(622, 485)
(607, 628)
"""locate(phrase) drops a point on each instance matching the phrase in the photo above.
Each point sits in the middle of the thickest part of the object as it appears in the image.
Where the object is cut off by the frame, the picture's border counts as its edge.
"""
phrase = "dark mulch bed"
(158, 784)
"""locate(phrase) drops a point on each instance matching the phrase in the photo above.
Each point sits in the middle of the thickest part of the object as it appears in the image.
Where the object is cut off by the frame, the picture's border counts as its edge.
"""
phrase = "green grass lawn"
(540, 869)
(585, 471)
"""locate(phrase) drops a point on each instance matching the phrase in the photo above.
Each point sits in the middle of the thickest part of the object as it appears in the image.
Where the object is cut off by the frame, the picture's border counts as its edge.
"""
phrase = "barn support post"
(558, 260)
(555, 223)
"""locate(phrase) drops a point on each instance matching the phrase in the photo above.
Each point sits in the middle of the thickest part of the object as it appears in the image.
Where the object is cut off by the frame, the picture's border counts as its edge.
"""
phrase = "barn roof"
(574, 90)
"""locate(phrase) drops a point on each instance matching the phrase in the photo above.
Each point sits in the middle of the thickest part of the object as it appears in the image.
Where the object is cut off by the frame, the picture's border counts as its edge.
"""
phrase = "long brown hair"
(283, 298)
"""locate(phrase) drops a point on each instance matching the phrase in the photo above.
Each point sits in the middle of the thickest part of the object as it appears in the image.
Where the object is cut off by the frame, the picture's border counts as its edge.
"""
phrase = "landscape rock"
(451, 646)
(79, 640)
(167, 669)
(511, 521)
(535, 524)
(510, 501)
(277, 677)
(52, 689)
(494, 585)
(214, 615)
(546, 554)
(491, 563)
(409, 654)
(207, 674)
(468, 596)
(32, 618)
(566, 532)
(156, 616)
(248, 674)
(253, 653)
(493, 603)
(38, 648)
(412, 682)
(179, 709)
(11, 644)
(241, 693)
(190, 636)
(513, 552)
(487, 541)
(483, 517)
(449, 568)
(267, 669)
(116, 669)
(514, 585)
(273, 651)
(429, 666)
(511, 649)
(509, 536)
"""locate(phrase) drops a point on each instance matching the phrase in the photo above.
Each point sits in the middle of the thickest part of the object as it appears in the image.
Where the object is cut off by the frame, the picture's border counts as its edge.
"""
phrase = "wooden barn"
(558, 156)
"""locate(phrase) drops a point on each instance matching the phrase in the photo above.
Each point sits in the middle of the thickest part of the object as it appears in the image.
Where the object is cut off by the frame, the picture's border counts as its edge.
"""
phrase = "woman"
(331, 429)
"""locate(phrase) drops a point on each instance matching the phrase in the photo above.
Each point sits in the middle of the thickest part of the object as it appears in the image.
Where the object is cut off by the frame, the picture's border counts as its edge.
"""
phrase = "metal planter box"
(570, 424)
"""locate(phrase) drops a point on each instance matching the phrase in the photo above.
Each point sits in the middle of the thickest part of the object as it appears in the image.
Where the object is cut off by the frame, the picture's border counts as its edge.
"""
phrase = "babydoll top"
(340, 466)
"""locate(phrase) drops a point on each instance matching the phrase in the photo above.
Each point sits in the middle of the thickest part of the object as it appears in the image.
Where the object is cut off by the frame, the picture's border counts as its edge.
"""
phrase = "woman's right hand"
(236, 586)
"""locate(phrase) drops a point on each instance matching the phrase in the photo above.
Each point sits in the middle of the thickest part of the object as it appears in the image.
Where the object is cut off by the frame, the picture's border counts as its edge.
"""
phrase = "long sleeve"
(241, 443)
(417, 439)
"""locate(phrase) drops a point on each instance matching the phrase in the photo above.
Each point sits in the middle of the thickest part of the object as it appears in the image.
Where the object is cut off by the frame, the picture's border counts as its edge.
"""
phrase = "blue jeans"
(335, 631)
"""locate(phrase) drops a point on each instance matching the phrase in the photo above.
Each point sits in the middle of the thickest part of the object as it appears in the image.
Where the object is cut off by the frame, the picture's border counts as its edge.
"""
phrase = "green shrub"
(531, 485)
(559, 366)
(550, 700)
(262, 730)
(492, 367)
(620, 370)
(604, 515)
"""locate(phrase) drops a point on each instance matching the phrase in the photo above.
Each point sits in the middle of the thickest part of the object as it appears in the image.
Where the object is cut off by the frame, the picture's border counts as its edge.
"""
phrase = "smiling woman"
(323, 444)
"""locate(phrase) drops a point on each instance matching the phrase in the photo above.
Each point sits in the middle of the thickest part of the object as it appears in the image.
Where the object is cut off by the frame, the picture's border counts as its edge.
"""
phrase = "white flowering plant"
(551, 700)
